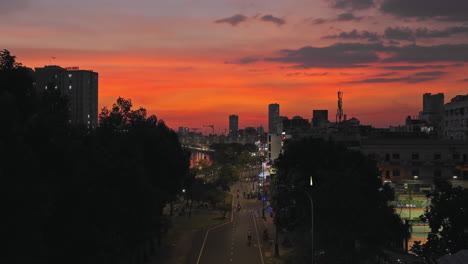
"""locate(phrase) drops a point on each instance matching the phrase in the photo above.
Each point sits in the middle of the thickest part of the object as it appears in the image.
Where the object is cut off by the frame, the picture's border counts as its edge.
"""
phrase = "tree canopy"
(351, 210)
(447, 216)
(80, 196)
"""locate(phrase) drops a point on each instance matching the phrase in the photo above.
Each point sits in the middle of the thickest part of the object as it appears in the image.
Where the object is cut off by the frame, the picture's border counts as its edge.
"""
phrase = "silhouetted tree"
(351, 210)
(447, 216)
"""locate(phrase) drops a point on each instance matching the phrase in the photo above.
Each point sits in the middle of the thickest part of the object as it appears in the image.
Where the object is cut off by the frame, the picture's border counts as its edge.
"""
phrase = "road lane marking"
(258, 239)
(207, 231)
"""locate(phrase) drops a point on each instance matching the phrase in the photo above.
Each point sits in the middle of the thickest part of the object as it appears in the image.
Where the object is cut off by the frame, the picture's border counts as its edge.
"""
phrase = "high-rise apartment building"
(80, 86)
(233, 124)
(273, 118)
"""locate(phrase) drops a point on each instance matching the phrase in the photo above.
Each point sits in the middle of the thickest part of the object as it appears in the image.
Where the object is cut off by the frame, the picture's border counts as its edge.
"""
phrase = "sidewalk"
(268, 248)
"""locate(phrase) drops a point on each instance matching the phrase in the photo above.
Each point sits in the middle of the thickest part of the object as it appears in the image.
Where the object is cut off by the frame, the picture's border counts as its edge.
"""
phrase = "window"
(269, 147)
(46, 87)
(387, 174)
(269, 138)
(415, 172)
(437, 156)
(69, 75)
(69, 87)
(396, 173)
(88, 116)
(415, 156)
(456, 156)
(387, 157)
(396, 156)
(437, 173)
(56, 87)
(464, 158)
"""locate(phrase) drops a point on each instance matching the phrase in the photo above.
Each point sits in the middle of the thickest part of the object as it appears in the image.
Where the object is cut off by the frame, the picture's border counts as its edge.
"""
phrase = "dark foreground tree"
(75, 197)
(352, 218)
(447, 216)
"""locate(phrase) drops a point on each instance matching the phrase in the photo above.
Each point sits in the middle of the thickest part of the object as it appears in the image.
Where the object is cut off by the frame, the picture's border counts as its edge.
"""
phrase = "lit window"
(69, 75)
(46, 87)
(69, 87)
(88, 116)
(56, 87)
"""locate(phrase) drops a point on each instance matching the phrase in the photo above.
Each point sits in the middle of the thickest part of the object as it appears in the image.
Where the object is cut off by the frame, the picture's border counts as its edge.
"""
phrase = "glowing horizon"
(194, 63)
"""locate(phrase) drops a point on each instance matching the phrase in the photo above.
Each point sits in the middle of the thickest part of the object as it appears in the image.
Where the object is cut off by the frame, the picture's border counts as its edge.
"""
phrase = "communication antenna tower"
(339, 111)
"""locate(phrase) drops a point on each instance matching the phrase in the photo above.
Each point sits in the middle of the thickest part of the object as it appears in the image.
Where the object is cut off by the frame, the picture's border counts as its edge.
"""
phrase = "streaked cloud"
(347, 17)
(233, 20)
(447, 10)
(354, 34)
(245, 60)
(269, 18)
(352, 4)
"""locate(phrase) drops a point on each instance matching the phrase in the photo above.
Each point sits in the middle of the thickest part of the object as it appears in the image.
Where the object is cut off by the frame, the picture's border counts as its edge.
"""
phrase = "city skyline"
(193, 63)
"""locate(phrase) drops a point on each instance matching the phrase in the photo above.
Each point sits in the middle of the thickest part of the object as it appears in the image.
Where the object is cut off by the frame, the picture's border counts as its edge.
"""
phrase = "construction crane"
(212, 127)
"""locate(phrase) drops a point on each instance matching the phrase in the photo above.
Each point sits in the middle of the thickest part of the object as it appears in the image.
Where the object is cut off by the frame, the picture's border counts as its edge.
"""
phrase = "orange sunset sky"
(195, 62)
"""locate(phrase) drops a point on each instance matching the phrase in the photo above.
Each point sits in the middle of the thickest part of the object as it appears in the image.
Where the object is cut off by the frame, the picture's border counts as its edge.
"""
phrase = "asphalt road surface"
(228, 243)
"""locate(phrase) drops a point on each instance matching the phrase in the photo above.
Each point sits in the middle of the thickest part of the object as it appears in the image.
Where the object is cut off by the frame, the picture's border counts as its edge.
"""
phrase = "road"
(228, 243)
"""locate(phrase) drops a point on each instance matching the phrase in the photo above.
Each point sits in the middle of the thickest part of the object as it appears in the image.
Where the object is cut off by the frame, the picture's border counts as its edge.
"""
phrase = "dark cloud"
(408, 79)
(9, 6)
(424, 54)
(464, 80)
(431, 73)
(386, 74)
(414, 78)
(347, 17)
(419, 67)
(276, 20)
(351, 74)
(318, 21)
(316, 74)
(245, 60)
(234, 20)
(352, 4)
(355, 35)
(447, 10)
(400, 33)
(405, 33)
(353, 55)
(341, 55)
(425, 33)
(307, 74)
(393, 42)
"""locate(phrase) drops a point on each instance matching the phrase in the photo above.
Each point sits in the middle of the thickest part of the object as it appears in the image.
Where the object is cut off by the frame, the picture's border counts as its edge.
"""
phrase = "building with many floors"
(80, 86)
(455, 126)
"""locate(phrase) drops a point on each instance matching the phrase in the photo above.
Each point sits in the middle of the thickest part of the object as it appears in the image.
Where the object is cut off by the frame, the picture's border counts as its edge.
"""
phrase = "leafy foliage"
(76, 195)
(447, 216)
(350, 206)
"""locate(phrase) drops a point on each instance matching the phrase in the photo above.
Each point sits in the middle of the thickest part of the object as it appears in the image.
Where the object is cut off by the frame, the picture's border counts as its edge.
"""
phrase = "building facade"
(456, 118)
(233, 124)
(273, 118)
(81, 88)
(416, 161)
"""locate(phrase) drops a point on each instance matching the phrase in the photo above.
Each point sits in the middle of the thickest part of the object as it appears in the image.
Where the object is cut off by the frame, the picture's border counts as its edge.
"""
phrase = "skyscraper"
(81, 88)
(273, 118)
(233, 124)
